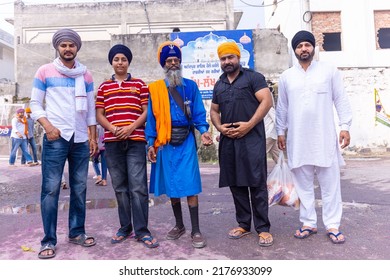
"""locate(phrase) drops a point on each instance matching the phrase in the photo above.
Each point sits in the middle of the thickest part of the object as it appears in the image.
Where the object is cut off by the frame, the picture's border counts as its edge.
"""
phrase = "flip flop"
(47, 247)
(336, 235)
(98, 181)
(310, 231)
(81, 240)
(241, 233)
(119, 234)
(264, 236)
(150, 239)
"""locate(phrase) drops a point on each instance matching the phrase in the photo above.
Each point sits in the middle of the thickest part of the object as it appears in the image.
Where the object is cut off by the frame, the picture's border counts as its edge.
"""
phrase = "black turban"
(120, 49)
(303, 36)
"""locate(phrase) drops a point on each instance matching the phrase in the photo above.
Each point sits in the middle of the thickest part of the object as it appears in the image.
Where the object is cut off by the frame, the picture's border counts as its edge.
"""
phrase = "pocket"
(321, 88)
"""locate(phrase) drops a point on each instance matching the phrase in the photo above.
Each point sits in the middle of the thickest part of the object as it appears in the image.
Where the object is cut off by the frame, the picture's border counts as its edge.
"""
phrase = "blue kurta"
(176, 172)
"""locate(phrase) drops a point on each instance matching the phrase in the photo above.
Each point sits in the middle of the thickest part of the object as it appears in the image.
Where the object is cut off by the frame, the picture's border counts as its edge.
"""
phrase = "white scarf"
(78, 74)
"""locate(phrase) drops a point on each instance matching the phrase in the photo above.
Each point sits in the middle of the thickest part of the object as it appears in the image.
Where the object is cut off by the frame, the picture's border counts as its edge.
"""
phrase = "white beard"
(174, 77)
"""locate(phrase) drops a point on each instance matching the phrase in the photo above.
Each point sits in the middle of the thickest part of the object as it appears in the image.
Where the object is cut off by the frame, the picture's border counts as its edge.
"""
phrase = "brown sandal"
(265, 239)
(238, 232)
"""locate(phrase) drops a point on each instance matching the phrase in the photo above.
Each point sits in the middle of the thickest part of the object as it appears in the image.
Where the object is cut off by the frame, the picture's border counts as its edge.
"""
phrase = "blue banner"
(5, 130)
(200, 60)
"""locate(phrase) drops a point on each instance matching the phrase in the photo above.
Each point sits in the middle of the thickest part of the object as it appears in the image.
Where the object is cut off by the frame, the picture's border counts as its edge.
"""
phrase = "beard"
(67, 58)
(173, 75)
(230, 68)
(305, 56)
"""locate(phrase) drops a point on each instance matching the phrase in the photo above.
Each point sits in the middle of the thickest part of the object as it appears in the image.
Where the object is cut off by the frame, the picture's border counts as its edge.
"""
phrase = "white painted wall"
(358, 30)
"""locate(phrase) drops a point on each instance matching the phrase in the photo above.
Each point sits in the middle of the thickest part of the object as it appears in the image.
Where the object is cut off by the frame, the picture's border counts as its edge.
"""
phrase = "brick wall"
(381, 19)
(325, 22)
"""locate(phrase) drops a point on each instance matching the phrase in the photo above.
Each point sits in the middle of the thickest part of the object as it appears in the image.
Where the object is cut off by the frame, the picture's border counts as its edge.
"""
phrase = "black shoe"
(175, 233)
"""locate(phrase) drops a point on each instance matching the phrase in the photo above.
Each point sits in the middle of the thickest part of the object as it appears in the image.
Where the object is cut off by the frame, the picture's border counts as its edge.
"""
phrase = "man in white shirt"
(307, 93)
(65, 86)
(271, 143)
(19, 138)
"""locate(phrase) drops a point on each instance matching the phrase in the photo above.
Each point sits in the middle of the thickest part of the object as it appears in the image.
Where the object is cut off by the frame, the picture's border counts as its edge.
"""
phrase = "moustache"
(173, 68)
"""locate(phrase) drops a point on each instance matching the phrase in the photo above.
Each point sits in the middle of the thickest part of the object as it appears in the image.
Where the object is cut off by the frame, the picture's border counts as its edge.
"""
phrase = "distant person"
(100, 159)
(308, 91)
(175, 108)
(19, 136)
(241, 99)
(62, 101)
(64, 186)
(121, 107)
(271, 142)
(30, 137)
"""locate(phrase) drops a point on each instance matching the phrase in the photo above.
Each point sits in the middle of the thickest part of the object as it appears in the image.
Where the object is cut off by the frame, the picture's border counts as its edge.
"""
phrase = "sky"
(251, 18)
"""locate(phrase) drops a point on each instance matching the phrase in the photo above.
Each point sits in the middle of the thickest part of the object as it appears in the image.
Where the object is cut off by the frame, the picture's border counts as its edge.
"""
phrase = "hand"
(282, 142)
(53, 133)
(226, 129)
(206, 139)
(239, 129)
(344, 138)
(93, 148)
(151, 154)
(124, 132)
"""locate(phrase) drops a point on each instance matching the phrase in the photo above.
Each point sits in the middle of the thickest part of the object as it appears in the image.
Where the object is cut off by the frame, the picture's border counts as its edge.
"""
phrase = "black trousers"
(248, 200)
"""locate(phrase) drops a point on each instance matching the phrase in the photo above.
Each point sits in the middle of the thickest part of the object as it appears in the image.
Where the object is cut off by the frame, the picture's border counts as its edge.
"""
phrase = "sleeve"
(144, 94)
(281, 108)
(100, 97)
(38, 95)
(198, 111)
(150, 128)
(91, 115)
(341, 102)
(258, 82)
(13, 123)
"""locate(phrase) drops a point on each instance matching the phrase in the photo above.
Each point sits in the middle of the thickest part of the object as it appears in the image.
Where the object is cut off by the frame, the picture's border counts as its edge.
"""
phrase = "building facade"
(355, 37)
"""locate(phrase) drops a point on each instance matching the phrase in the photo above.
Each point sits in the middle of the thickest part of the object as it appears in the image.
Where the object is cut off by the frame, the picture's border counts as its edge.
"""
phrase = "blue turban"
(120, 49)
(303, 36)
(66, 35)
(168, 49)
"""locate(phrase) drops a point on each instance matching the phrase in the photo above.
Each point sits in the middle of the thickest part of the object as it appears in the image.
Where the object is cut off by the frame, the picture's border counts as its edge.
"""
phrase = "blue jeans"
(54, 155)
(102, 156)
(31, 141)
(16, 143)
(126, 161)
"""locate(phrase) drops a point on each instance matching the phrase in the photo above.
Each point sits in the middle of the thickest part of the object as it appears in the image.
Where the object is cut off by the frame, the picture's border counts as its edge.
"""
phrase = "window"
(326, 27)
(384, 38)
(332, 41)
(382, 29)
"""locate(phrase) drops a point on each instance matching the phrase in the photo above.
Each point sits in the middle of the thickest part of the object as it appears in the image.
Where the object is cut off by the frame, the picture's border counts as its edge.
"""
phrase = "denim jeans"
(54, 155)
(16, 143)
(126, 161)
(102, 156)
(31, 141)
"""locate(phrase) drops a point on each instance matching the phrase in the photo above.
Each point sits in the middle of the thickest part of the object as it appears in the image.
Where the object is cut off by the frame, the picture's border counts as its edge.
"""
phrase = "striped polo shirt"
(122, 103)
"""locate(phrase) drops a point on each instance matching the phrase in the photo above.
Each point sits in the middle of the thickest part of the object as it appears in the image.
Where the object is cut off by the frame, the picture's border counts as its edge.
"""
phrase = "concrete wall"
(360, 85)
(7, 57)
(98, 21)
(269, 61)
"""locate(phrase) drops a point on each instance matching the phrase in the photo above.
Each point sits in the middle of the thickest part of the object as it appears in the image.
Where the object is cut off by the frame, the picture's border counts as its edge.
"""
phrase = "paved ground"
(366, 196)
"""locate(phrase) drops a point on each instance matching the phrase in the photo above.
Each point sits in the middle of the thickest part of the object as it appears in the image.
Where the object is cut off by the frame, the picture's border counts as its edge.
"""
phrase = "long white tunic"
(305, 112)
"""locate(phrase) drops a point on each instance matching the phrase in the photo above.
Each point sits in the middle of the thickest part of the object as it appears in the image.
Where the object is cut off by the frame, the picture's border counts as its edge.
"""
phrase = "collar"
(127, 79)
(224, 75)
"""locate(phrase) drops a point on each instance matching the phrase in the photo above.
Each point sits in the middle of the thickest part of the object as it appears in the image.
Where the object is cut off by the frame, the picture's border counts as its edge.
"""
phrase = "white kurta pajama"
(305, 109)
